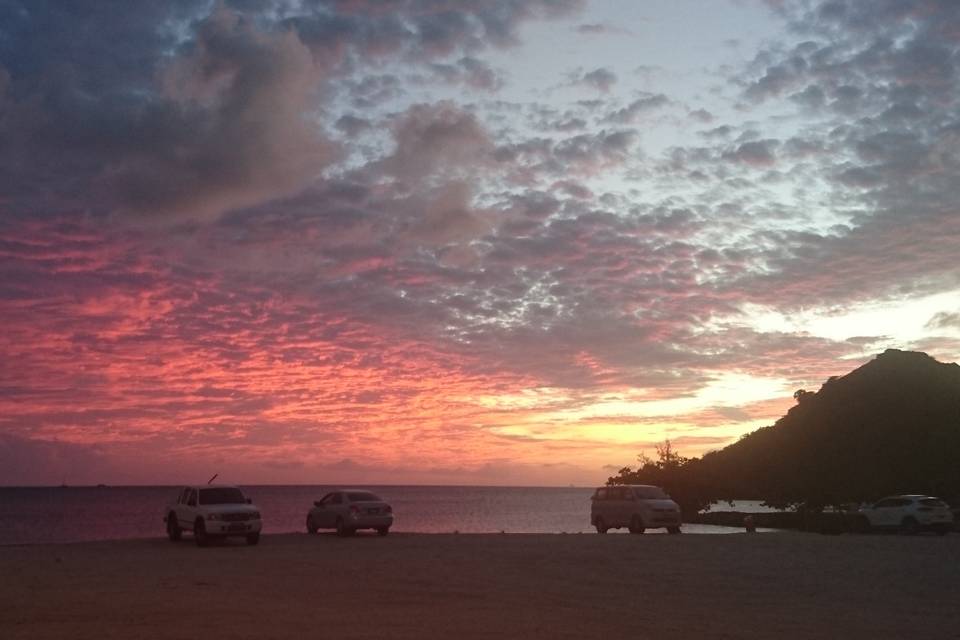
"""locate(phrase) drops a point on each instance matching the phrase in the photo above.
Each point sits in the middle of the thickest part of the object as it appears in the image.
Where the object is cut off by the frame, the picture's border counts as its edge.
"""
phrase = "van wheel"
(173, 528)
(673, 530)
(636, 525)
(601, 525)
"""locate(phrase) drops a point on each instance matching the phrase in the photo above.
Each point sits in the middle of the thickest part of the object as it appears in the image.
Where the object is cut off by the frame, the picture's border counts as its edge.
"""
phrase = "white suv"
(213, 511)
(638, 507)
(908, 514)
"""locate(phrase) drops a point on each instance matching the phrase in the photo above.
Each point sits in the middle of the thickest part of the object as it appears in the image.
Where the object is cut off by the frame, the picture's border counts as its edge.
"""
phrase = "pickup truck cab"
(211, 512)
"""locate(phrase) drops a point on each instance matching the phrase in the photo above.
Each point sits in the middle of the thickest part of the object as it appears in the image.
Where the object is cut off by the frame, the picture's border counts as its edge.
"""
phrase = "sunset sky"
(457, 241)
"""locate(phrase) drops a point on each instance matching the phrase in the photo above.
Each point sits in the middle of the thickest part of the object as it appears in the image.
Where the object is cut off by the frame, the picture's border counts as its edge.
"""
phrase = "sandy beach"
(783, 585)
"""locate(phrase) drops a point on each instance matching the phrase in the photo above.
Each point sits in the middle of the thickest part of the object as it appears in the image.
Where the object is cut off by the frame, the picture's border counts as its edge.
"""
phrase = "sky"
(507, 242)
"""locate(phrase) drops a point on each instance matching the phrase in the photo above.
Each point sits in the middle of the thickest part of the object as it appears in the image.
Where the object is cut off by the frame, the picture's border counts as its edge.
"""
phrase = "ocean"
(33, 515)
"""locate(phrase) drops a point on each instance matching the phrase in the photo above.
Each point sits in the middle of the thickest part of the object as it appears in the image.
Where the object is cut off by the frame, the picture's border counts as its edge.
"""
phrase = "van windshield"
(650, 493)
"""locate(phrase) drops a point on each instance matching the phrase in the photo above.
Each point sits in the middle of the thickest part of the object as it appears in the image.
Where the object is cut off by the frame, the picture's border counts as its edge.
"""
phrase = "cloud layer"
(297, 235)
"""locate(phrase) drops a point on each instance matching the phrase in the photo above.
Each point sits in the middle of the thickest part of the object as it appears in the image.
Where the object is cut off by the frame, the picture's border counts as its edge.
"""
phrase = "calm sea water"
(74, 514)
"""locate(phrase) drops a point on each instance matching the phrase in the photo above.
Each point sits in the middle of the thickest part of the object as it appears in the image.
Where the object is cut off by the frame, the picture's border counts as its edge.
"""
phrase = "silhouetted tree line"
(890, 426)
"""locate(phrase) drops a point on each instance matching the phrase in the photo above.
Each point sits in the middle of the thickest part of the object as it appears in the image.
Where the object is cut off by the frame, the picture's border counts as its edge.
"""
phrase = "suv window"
(337, 498)
(886, 502)
(932, 502)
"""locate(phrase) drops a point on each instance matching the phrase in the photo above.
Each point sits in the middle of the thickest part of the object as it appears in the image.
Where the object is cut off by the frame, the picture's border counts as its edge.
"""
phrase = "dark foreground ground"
(782, 585)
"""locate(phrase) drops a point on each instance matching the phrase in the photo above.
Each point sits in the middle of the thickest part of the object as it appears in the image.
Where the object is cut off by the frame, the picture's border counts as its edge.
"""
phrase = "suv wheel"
(673, 530)
(173, 528)
(253, 538)
(382, 531)
(200, 533)
(909, 526)
(601, 525)
(342, 529)
(636, 525)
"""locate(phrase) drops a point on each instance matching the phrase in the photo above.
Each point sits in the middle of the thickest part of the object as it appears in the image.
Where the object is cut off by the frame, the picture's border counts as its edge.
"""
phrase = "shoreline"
(407, 585)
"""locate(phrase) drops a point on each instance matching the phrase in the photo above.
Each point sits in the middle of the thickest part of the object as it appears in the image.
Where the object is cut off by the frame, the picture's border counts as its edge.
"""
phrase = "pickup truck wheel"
(311, 525)
(382, 531)
(173, 528)
(253, 538)
(200, 533)
(636, 525)
(601, 525)
(342, 529)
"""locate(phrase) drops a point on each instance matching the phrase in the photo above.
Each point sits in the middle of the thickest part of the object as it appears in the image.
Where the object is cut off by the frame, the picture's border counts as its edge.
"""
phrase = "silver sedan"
(349, 510)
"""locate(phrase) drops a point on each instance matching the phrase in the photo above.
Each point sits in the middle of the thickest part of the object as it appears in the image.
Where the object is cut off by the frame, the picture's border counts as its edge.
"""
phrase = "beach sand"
(781, 585)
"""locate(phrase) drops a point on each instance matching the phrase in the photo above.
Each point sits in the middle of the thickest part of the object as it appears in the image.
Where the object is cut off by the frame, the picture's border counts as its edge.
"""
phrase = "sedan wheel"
(342, 529)
(311, 525)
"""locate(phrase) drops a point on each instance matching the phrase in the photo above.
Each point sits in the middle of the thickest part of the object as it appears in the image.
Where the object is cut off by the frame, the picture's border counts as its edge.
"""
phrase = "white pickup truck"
(213, 511)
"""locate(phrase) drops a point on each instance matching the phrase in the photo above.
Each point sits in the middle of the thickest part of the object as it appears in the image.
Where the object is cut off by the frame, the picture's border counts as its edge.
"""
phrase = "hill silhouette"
(890, 426)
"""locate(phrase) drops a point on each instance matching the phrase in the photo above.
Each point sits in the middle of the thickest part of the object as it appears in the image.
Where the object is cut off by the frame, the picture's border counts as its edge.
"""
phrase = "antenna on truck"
(213, 478)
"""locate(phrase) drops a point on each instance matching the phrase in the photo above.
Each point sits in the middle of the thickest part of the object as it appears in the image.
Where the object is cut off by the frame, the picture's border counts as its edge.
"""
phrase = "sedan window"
(362, 496)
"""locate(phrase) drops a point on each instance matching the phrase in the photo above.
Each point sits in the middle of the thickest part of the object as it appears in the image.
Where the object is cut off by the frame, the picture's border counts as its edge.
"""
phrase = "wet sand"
(782, 585)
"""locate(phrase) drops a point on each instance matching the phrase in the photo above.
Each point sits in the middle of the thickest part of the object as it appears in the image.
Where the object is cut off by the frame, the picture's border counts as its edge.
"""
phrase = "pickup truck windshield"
(220, 495)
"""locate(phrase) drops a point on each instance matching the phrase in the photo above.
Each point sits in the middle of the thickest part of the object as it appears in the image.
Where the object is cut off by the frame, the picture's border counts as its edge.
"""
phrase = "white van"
(636, 506)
